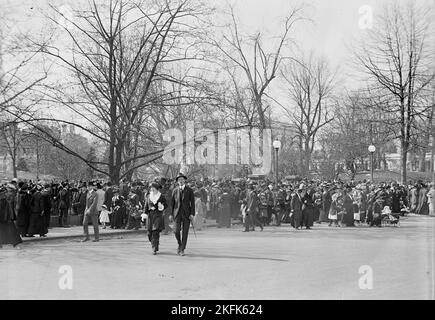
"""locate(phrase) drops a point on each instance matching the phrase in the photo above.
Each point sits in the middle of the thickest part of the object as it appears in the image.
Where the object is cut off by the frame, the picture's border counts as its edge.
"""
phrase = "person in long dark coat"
(8, 231)
(118, 210)
(23, 210)
(64, 197)
(183, 211)
(235, 202)
(46, 199)
(133, 207)
(108, 195)
(296, 209)
(252, 202)
(155, 205)
(225, 209)
(326, 204)
(395, 199)
(348, 218)
(422, 207)
(317, 199)
(378, 205)
(308, 210)
(80, 205)
(37, 220)
(280, 204)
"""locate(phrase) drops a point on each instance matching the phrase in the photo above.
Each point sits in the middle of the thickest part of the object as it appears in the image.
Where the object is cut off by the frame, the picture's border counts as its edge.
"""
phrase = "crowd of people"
(28, 206)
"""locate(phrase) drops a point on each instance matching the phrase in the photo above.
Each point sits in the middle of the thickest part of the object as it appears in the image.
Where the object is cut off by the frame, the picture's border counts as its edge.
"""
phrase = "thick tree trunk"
(404, 159)
(14, 167)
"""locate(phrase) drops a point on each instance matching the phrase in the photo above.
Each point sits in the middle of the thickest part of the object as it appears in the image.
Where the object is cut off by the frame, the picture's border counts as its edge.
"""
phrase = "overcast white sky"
(334, 23)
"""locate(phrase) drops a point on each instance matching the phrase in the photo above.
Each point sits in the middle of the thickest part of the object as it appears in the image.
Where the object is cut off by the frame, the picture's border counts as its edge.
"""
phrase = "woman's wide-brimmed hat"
(180, 175)
(155, 185)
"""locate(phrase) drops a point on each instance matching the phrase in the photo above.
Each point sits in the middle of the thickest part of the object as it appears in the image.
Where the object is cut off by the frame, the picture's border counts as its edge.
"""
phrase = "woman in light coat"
(431, 199)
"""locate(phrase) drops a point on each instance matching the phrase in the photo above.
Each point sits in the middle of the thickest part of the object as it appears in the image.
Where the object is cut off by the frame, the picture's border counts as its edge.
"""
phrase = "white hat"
(386, 210)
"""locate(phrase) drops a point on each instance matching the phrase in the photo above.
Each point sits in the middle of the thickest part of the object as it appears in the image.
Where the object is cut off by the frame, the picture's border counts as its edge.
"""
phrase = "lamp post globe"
(372, 150)
(276, 145)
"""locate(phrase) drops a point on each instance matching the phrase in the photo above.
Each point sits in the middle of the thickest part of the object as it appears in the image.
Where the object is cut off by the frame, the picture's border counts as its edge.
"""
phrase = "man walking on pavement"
(91, 213)
(252, 202)
(183, 211)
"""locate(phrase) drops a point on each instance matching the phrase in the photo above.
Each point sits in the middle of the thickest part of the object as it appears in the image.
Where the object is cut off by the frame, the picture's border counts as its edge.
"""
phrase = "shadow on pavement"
(194, 255)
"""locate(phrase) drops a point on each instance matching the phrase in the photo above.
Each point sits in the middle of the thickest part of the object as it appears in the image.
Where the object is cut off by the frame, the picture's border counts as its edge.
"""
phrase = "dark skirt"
(296, 219)
(9, 234)
(22, 222)
(117, 217)
(133, 222)
(308, 216)
(37, 224)
(225, 216)
(155, 221)
(348, 218)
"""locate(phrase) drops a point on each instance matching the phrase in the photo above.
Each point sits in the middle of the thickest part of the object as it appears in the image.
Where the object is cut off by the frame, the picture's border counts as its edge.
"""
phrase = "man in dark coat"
(108, 195)
(308, 209)
(183, 211)
(270, 200)
(91, 213)
(296, 209)
(252, 204)
(395, 199)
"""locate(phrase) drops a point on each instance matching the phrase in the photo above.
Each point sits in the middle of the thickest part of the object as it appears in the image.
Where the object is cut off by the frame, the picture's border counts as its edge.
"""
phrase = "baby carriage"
(389, 218)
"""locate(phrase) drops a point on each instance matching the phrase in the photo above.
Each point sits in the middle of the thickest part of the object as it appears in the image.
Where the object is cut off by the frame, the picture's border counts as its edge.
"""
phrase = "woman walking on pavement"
(155, 204)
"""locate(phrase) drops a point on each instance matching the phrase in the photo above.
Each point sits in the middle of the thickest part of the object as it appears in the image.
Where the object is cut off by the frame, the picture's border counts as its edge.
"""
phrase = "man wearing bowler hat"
(183, 211)
(91, 212)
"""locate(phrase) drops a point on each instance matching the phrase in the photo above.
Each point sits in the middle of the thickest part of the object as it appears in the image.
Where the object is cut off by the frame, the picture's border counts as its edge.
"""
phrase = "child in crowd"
(104, 216)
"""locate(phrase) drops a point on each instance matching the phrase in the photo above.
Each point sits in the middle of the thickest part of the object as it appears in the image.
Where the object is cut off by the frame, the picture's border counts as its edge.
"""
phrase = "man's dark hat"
(180, 175)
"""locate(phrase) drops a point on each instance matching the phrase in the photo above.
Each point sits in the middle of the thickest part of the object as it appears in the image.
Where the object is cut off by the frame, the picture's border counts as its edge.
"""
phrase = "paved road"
(278, 263)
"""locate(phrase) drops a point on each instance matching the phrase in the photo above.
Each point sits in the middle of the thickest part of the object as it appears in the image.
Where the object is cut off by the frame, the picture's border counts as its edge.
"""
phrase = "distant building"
(28, 149)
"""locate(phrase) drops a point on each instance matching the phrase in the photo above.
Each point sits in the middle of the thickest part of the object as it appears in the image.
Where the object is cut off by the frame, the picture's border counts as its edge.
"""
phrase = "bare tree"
(18, 75)
(257, 66)
(309, 83)
(119, 53)
(397, 58)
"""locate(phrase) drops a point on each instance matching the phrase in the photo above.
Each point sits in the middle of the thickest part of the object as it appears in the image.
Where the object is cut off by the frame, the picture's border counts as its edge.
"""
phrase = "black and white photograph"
(205, 150)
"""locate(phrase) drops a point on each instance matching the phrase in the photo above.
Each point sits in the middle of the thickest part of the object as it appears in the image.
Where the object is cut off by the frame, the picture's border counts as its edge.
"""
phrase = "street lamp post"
(372, 150)
(276, 146)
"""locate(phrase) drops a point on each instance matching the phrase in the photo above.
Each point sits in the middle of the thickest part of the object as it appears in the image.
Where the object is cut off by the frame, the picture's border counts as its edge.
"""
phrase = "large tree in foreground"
(119, 55)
